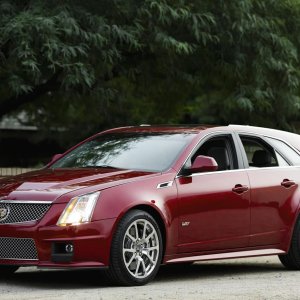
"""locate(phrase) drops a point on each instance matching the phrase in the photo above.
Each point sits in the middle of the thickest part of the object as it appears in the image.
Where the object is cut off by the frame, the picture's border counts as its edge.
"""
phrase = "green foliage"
(104, 63)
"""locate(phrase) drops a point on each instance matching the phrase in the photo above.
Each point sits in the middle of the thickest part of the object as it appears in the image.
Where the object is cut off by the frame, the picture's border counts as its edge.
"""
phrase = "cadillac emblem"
(4, 211)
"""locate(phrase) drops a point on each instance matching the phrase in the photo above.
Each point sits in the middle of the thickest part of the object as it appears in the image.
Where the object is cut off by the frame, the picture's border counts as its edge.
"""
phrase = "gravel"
(254, 278)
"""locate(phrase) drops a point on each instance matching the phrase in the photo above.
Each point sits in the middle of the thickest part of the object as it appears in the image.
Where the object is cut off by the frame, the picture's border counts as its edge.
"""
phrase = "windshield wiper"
(101, 166)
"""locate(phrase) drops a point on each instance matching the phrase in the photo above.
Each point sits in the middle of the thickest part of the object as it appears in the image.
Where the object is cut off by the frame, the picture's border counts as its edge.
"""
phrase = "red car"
(133, 198)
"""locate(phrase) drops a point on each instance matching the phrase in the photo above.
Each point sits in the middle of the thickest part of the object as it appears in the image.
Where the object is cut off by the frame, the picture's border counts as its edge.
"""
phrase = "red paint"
(219, 218)
(245, 211)
(204, 164)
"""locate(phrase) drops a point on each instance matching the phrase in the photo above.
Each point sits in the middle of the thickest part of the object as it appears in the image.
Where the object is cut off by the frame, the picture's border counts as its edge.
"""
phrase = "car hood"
(49, 184)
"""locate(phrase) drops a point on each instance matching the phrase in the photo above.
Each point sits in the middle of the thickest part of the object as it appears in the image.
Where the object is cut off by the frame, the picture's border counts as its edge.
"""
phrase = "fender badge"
(184, 224)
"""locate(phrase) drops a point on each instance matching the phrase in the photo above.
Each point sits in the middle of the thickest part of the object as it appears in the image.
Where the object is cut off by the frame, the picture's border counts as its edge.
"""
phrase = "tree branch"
(11, 104)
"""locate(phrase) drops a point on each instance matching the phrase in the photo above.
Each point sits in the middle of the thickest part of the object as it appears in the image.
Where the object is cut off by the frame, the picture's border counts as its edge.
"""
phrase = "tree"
(259, 64)
(91, 64)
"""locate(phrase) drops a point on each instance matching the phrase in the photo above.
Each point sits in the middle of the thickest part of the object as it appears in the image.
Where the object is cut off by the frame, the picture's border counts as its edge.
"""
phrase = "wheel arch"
(157, 217)
(296, 215)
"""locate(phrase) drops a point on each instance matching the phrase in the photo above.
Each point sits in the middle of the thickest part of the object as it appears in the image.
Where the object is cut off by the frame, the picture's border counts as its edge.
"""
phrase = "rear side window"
(286, 151)
(259, 154)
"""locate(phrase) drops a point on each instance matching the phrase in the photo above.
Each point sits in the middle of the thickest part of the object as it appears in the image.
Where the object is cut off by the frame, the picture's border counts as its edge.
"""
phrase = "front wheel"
(291, 260)
(136, 250)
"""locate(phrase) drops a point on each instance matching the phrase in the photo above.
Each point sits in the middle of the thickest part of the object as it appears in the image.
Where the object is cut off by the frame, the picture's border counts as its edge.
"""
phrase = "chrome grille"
(16, 248)
(18, 212)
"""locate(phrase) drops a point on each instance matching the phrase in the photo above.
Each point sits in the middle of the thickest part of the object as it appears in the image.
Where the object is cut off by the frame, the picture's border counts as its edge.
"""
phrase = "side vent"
(165, 184)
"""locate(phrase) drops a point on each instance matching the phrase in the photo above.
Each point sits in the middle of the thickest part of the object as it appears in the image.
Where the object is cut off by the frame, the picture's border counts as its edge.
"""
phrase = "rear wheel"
(7, 270)
(291, 260)
(136, 250)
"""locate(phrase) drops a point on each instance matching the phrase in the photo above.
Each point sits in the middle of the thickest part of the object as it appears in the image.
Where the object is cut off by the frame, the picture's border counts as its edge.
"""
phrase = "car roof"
(162, 128)
(291, 138)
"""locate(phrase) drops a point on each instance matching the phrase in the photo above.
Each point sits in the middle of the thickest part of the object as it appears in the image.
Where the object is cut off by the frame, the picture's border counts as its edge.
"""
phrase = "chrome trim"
(164, 184)
(272, 168)
(25, 259)
(210, 173)
(227, 255)
(25, 202)
(235, 170)
(18, 223)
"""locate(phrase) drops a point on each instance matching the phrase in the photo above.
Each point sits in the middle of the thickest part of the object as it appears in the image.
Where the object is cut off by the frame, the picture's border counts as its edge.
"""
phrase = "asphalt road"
(255, 278)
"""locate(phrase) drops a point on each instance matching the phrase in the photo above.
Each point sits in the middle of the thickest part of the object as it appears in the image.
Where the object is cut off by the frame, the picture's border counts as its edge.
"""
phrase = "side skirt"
(227, 255)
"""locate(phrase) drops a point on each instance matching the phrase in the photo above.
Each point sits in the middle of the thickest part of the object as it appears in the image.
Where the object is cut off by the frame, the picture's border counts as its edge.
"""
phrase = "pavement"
(251, 278)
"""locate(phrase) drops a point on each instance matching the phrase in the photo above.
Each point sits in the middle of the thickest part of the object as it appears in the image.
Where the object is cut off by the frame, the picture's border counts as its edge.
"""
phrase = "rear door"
(273, 183)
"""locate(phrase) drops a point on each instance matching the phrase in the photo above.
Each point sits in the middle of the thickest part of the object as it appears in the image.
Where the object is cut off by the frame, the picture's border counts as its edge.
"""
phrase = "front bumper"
(90, 242)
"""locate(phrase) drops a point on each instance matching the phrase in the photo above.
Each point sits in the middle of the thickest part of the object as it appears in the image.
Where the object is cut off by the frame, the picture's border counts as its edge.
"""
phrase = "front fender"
(117, 201)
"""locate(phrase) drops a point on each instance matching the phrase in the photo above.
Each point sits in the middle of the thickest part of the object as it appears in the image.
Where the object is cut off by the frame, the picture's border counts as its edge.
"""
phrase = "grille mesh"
(16, 248)
(24, 212)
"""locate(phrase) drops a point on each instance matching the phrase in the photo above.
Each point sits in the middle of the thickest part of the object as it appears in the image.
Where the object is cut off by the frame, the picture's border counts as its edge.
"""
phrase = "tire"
(7, 270)
(291, 260)
(136, 250)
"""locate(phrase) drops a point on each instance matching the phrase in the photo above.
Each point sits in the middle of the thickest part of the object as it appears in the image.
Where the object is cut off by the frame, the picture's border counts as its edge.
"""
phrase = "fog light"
(69, 248)
(62, 252)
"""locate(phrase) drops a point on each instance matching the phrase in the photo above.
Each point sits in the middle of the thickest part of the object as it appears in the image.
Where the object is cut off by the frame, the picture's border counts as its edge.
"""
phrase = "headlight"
(79, 210)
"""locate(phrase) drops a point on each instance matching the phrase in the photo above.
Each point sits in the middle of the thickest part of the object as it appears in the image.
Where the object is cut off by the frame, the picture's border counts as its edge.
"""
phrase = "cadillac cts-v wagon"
(133, 198)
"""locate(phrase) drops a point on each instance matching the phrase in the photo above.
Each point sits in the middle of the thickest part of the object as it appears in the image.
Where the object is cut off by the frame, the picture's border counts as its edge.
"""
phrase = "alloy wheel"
(141, 248)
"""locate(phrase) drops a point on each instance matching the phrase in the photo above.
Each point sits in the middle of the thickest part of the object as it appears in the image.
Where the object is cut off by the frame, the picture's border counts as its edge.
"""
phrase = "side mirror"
(54, 158)
(204, 164)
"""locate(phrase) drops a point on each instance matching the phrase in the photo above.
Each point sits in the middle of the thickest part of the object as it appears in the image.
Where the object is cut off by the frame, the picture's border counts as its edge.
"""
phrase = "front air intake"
(17, 249)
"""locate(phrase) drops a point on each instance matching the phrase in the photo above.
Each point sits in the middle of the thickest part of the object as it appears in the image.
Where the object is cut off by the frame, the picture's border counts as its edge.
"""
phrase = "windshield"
(136, 151)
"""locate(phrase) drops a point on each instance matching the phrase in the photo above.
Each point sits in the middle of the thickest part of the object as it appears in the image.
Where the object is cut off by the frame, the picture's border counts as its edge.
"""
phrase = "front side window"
(221, 148)
(135, 151)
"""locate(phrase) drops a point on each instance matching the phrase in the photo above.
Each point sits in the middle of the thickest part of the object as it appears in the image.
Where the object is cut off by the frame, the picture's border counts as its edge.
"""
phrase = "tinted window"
(259, 154)
(286, 151)
(221, 149)
(139, 151)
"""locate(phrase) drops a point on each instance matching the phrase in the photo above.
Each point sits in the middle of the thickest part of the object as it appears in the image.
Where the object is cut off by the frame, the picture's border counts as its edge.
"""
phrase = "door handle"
(287, 183)
(239, 189)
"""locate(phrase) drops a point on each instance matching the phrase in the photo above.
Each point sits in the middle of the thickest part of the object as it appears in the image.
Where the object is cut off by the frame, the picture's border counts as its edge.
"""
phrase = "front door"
(214, 207)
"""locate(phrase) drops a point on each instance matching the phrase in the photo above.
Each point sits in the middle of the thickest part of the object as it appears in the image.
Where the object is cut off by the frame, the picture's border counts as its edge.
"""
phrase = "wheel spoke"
(152, 248)
(137, 267)
(130, 261)
(129, 250)
(143, 267)
(150, 258)
(136, 230)
(145, 229)
(131, 237)
(149, 236)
